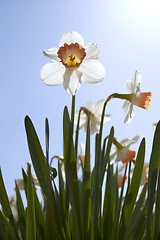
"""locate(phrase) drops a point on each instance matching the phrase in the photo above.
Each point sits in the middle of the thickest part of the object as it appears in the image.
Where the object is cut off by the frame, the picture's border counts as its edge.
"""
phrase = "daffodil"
(96, 113)
(120, 178)
(13, 206)
(138, 98)
(144, 178)
(73, 63)
(81, 156)
(122, 151)
(20, 183)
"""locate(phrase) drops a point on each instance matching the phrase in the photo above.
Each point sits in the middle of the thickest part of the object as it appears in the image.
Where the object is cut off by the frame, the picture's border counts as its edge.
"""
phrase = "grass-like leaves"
(90, 207)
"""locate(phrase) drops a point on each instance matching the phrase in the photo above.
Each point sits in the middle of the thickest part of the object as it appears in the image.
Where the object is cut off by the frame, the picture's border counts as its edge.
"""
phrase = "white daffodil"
(13, 206)
(145, 172)
(144, 178)
(120, 178)
(73, 63)
(20, 183)
(96, 113)
(81, 156)
(138, 98)
(122, 151)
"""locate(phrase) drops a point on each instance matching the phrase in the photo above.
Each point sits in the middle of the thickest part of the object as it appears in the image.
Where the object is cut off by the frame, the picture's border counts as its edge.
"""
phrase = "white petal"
(52, 53)
(125, 141)
(137, 78)
(107, 117)
(95, 125)
(112, 156)
(97, 107)
(129, 117)
(91, 50)
(72, 81)
(135, 139)
(89, 106)
(71, 37)
(92, 70)
(122, 154)
(130, 114)
(83, 119)
(82, 148)
(121, 168)
(126, 105)
(51, 73)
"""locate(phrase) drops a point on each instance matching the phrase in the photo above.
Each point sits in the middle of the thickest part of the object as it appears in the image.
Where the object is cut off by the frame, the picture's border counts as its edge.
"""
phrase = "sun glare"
(147, 11)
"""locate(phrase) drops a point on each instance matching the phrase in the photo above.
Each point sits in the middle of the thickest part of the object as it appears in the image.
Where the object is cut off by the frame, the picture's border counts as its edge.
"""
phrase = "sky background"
(128, 35)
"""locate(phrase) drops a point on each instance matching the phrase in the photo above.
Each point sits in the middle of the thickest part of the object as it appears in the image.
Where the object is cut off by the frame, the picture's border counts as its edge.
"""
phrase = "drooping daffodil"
(73, 63)
(138, 98)
(96, 114)
(122, 152)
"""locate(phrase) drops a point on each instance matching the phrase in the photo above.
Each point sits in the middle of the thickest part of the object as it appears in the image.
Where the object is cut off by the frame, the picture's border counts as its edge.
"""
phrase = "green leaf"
(40, 217)
(47, 138)
(118, 207)
(37, 156)
(6, 207)
(21, 213)
(133, 190)
(140, 227)
(7, 232)
(157, 212)
(51, 225)
(152, 179)
(109, 204)
(31, 224)
(136, 213)
(53, 172)
(107, 154)
(71, 171)
(87, 187)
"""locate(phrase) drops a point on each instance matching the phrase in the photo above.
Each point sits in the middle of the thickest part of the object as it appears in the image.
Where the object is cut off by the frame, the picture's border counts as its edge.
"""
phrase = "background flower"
(123, 153)
(138, 98)
(96, 113)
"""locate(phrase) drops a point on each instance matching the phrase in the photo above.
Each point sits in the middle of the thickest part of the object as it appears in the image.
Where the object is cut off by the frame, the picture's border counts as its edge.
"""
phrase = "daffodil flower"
(122, 151)
(81, 156)
(138, 98)
(13, 206)
(120, 178)
(145, 171)
(20, 183)
(73, 63)
(96, 113)
(144, 178)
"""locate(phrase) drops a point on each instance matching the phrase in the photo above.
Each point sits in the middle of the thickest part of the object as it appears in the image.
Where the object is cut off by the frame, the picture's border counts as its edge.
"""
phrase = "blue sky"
(128, 35)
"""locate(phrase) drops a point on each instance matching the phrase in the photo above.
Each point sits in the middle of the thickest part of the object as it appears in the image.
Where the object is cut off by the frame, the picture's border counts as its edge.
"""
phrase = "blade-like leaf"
(152, 179)
(133, 190)
(51, 225)
(136, 213)
(37, 156)
(87, 187)
(6, 207)
(108, 206)
(157, 212)
(21, 213)
(71, 171)
(7, 232)
(31, 224)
